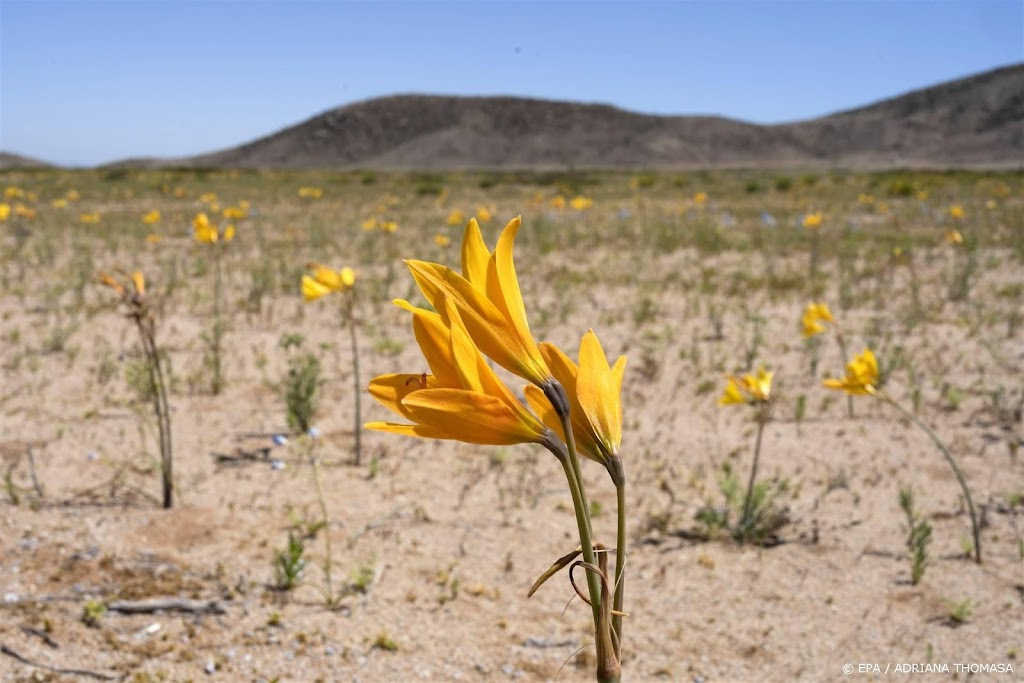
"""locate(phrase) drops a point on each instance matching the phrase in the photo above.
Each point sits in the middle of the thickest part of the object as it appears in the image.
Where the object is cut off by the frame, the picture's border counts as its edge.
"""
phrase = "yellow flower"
(489, 301)
(594, 390)
(483, 214)
(953, 236)
(748, 388)
(151, 218)
(109, 281)
(922, 195)
(137, 279)
(208, 197)
(12, 192)
(732, 394)
(5, 212)
(59, 203)
(456, 217)
(24, 211)
(558, 202)
(311, 192)
(324, 280)
(442, 240)
(865, 198)
(700, 198)
(91, 218)
(861, 375)
(370, 224)
(234, 213)
(814, 315)
(812, 221)
(956, 212)
(581, 203)
(73, 196)
(461, 399)
(203, 230)
(387, 226)
(179, 192)
(153, 238)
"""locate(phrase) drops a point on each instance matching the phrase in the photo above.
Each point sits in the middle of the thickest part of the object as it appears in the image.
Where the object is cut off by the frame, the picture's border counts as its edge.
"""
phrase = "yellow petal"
(732, 394)
(434, 339)
(475, 255)
(508, 285)
(109, 281)
(348, 276)
(325, 276)
(596, 388)
(471, 417)
(390, 390)
(421, 431)
(484, 322)
(311, 289)
(139, 280)
(229, 233)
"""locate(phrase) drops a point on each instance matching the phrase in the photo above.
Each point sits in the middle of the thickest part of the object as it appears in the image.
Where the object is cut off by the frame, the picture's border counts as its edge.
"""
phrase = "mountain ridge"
(975, 121)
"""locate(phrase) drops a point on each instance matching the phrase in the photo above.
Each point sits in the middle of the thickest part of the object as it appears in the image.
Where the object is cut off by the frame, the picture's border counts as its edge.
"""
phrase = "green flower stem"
(620, 563)
(218, 381)
(842, 350)
(356, 386)
(748, 500)
(571, 466)
(975, 529)
(329, 596)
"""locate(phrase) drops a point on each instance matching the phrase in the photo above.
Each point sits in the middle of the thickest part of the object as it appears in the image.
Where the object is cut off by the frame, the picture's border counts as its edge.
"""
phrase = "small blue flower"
(91, 455)
(314, 433)
(276, 464)
(768, 219)
(280, 440)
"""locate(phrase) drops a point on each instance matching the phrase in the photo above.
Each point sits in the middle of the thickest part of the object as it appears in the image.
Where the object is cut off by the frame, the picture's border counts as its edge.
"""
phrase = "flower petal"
(475, 255)
(595, 387)
(434, 339)
(486, 325)
(421, 431)
(471, 417)
(311, 289)
(391, 390)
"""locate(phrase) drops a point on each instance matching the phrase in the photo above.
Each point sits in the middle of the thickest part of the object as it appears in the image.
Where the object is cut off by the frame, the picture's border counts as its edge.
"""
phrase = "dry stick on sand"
(151, 605)
(56, 669)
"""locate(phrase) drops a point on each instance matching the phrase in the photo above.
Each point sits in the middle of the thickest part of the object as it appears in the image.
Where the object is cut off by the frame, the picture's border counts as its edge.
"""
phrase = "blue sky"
(89, 82)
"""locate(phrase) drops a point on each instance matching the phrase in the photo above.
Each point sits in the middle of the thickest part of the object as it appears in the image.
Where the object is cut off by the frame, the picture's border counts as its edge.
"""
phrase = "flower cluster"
(480, 312)
(814, 317)
(207, 232)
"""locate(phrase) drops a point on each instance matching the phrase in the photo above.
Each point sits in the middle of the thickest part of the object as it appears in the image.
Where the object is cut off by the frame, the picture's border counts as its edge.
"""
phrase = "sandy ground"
(453, 535)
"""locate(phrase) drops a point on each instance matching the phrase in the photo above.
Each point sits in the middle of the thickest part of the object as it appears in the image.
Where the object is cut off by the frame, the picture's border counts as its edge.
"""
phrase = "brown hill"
(9, 160)
(976, 121)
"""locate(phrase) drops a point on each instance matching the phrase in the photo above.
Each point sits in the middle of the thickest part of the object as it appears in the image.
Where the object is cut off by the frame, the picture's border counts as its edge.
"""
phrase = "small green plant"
(289, 564)
(384, 642)
(919, 536)
(362, 578)
(132, 296)
(301, 384)
(757, 521)
(93, 612)
(960, 612)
